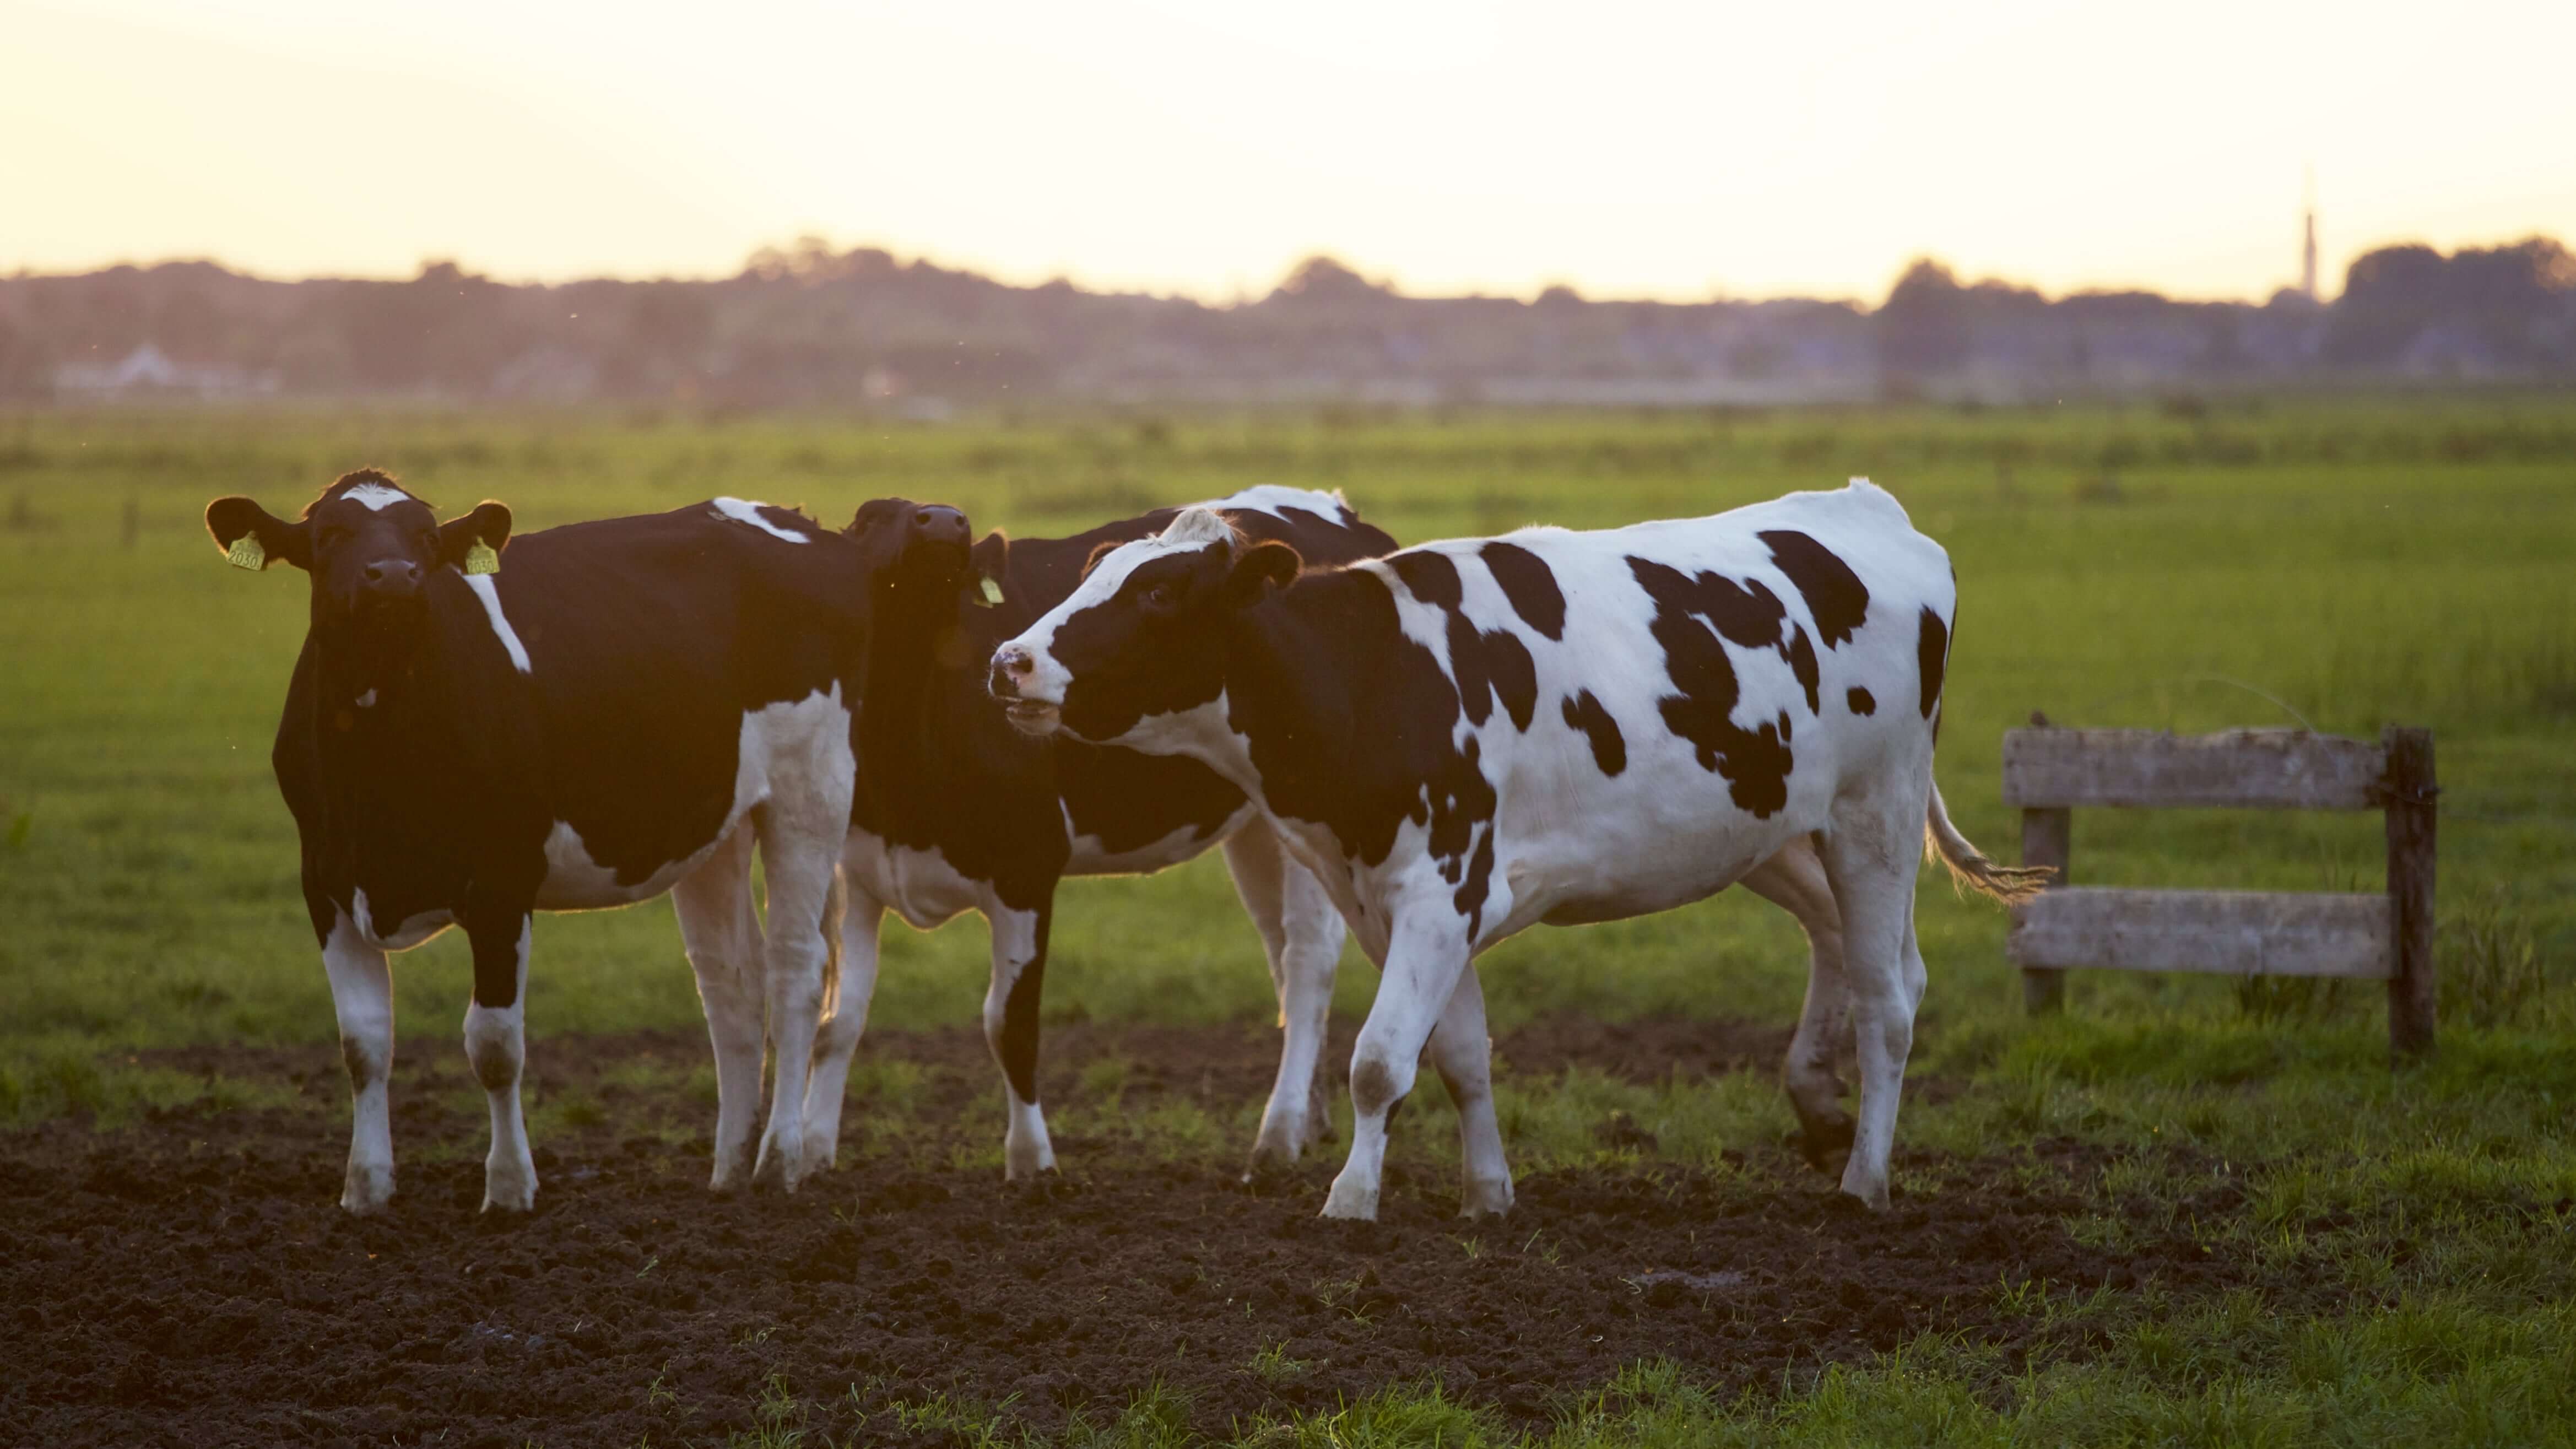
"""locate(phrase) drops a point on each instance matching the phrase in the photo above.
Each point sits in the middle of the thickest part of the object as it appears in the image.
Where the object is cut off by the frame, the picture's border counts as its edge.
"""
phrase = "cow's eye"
(332, 537)
(1159, 597)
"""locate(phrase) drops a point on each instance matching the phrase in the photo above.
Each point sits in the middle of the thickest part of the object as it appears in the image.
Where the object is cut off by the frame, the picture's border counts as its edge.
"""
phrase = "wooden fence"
(2049, 772)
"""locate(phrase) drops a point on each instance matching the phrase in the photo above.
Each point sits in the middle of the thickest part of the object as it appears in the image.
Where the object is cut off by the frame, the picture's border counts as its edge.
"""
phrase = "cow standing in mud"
(1468, 738)
(956, 811)
(623, 711)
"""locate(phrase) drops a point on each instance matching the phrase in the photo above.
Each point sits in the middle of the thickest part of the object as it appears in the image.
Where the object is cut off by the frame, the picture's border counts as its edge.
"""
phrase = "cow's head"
(369, 546)
(912, 550)
(1142, 635)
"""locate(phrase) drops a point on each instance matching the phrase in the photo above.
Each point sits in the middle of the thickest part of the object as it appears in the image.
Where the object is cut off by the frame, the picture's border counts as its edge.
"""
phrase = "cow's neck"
(909, 711)
(390, 706)
(1292, 669)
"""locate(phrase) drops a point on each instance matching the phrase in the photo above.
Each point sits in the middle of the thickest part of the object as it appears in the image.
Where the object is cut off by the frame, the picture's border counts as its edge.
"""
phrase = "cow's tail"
(1971, 868)
(836, 907)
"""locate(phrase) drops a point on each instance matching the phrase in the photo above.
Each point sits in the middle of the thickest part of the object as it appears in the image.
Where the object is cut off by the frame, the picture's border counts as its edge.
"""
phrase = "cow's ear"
(252, 537)
(988, 563)
(474, 543)
(1101, 551)
(1258, 570)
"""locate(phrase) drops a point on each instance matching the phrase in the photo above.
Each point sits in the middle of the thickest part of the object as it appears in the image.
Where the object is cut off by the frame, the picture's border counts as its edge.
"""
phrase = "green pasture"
(2339, 563)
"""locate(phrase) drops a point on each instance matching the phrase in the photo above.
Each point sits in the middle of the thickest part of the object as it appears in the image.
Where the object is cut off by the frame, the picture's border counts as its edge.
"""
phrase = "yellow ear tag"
(247, 554)
(482, 558)
(990, 591)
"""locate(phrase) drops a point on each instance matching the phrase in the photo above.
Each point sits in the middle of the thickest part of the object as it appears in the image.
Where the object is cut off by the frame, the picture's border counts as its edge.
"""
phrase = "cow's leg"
(496, 1044)
(838, 1037)
(1463, 1054)
(800, 847)
(1011, 1027)
(1426, 951)
(362, 995)
(1795, 881)
(1301, 934)
(720, 930)
(1869, 856)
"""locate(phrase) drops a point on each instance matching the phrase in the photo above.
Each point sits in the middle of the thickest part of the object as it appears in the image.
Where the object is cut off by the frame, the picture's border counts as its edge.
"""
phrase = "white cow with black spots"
(1469, 738)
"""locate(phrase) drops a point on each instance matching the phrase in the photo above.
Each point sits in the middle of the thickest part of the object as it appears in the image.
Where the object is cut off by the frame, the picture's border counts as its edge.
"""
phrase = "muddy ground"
(187, 1279)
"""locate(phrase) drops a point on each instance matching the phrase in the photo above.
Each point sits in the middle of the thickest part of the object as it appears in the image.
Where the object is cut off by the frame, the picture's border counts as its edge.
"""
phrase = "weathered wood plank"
(2413, 989)
(2242, 933)
(2274, 769)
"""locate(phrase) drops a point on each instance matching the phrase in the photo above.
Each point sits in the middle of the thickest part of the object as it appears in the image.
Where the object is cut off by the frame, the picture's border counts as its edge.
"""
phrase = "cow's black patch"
(1527, 581)
(1489, 665)
(1609, 748)
(1756, 763)
(1350, 724)
(1860, 701)
(1834, 594)
(1802, 661)
(1931, 654)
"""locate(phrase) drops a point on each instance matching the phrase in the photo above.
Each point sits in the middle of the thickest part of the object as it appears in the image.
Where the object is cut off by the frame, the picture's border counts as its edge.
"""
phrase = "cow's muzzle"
(1014, 670)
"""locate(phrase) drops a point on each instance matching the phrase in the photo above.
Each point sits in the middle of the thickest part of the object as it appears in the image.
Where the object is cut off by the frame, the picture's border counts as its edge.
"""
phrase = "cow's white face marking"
(1271, 497)
(376, 497)
(743, 510)
(490, 594)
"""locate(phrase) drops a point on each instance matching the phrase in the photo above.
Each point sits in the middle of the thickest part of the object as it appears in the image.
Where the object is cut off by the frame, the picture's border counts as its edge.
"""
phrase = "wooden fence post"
(2414, 988)
(2047, 838)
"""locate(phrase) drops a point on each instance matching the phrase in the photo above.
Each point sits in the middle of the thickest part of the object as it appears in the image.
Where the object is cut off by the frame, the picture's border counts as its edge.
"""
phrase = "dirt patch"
(188, 1280)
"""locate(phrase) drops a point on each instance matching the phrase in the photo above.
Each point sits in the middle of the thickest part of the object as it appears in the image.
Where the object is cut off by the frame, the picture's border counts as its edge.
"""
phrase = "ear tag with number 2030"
(482, 558)
(247, 554)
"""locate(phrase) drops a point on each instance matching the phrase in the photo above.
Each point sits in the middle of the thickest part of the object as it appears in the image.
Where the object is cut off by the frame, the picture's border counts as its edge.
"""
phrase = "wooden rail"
(2048, 772)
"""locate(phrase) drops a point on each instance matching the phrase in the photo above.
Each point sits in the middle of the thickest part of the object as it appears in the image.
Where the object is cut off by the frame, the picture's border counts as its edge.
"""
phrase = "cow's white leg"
(1870, 857)
(1463, 1054)
(800, 844)
(720, 930)
(362, 995)
(1011, 1028)
(838, 1037)
(1795, 881)
(1301, 935)
(1426, 951)
(496, 1044)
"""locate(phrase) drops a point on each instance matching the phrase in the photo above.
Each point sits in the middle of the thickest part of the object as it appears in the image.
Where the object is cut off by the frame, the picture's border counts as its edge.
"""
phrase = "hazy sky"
(1638, 150)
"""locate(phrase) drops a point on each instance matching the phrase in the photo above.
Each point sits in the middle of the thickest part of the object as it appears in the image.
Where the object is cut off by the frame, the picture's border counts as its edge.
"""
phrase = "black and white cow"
(622, 711)
(1469, 738)
(957, 811)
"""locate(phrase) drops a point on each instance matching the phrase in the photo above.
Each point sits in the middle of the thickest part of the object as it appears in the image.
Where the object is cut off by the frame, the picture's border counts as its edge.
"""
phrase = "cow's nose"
(1010, 665)
(939, 525)
(394, 575)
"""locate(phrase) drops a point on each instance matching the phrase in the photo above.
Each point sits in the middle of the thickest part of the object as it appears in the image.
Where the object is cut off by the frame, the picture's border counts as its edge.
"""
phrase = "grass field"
(2343, 564)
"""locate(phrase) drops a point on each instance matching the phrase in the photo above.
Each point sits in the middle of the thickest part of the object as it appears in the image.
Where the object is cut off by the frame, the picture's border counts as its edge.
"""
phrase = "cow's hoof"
(1871, 1200)
(1023, 1160)
(511, 1195)
(1351, 1203)
(822, 1147)
(368, 1191)
(1485, 1197)
(1826, 1145)
(776, 1169)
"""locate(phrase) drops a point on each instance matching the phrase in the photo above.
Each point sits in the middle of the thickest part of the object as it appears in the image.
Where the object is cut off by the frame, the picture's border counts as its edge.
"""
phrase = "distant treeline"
(807, 325)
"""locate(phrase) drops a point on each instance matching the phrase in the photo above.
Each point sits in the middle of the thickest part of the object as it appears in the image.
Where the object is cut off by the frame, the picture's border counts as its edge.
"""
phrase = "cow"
(1468, 738)
(623, 711)
(955, 810)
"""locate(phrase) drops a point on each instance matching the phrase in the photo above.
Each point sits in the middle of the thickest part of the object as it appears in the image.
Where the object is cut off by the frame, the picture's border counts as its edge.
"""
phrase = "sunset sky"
(1676, 151)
